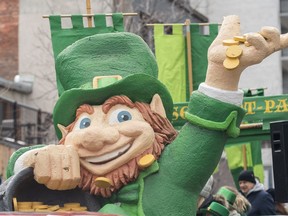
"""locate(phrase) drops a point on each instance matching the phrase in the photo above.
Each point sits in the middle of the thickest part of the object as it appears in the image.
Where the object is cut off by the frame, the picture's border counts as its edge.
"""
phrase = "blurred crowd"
(252, 199)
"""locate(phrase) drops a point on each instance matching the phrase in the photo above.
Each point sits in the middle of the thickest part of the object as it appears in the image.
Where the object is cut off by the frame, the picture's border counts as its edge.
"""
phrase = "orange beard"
(119, 177)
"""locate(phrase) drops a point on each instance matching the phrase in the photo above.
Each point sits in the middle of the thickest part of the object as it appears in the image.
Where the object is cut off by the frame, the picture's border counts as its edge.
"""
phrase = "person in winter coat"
(239, 205)
(279, 206)
(230, 198)
(261, 202)
(205, 195)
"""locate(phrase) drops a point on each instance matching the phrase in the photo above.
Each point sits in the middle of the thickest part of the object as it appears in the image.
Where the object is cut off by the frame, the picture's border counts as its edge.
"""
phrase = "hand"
(262, 44)
(57, 167)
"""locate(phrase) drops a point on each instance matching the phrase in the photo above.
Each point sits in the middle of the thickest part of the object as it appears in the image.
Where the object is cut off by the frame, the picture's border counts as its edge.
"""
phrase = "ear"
(157, 106)
(62, 129)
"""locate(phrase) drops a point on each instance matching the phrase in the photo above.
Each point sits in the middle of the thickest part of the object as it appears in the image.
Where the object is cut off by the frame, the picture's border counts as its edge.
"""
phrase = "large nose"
(95, 138)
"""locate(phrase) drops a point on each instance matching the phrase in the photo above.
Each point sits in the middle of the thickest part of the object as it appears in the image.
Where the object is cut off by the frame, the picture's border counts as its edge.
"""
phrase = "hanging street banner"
(170, 56)
(260, 111)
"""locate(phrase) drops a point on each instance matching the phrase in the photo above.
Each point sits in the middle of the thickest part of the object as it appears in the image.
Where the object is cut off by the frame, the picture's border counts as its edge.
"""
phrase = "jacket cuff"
(214, 114)
(232, 97)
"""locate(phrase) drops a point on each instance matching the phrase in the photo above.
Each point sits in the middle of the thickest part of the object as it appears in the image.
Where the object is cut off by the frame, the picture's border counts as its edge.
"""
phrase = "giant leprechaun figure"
(112, 119)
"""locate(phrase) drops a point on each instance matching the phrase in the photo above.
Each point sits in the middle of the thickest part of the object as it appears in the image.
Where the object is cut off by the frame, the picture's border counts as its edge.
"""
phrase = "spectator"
(238, 204)
(205, 194)
(209, 204)
(261, 202)
(229, 198)
(215, 209)
(279, 207)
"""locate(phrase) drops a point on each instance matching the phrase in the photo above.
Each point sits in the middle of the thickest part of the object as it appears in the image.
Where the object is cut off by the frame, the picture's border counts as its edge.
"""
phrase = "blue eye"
(120, 115)
(84, 123)
(124, 116)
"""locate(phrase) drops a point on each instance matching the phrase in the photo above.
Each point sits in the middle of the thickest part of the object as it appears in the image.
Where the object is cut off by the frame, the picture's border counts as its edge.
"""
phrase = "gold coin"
(240, 38)
(25, 210)
(37, 203)
(41, 210)
(20, 204)
(81, 208)
(40, 206)
(146, 161)
(103, 182)
(24, 205)
(15, 204)
(62, 210)
(71, 205)
(230, 42)
(53, 208)
(231, 63)
(233, 51)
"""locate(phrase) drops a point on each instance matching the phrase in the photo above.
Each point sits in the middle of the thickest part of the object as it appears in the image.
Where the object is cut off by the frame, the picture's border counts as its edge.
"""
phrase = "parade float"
(119, 152)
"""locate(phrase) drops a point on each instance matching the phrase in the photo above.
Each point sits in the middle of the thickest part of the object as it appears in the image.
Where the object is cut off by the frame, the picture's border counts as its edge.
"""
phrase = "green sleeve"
(15, 156)
(212, 114)
(187, 163)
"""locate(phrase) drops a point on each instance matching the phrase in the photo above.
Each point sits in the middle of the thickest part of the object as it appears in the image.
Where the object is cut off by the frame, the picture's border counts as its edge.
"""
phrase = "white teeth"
(109, 156)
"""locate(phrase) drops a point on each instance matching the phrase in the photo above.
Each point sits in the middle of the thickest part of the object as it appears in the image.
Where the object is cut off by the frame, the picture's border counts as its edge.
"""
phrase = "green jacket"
(171, 186)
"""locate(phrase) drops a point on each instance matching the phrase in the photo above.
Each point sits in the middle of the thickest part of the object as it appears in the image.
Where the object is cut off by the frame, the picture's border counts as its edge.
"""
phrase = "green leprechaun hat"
(97, 67)
(227, 194)
(215, 209)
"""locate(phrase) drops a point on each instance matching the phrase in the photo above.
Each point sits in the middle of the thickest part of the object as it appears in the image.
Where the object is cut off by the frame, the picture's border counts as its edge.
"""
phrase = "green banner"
(200, 42)
(63, 37)
(170, 56)
(265, 109)
(259, 109)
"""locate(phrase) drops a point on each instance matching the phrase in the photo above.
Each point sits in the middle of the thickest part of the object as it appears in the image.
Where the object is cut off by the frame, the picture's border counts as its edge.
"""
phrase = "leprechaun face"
(106, 141)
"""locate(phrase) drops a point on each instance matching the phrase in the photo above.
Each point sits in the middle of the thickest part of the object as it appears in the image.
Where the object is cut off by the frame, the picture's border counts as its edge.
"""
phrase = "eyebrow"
(85, 108)
(115, 100)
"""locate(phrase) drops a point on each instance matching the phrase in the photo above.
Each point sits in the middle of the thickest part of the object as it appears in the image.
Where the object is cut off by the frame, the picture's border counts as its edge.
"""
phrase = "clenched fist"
(56, 166)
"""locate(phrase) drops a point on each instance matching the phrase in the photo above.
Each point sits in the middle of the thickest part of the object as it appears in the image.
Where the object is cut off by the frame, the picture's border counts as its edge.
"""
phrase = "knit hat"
(247, 175)
(206, 191)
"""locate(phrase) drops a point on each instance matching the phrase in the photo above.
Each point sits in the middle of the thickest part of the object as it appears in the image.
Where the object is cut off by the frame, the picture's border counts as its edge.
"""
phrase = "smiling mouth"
(109, 156)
